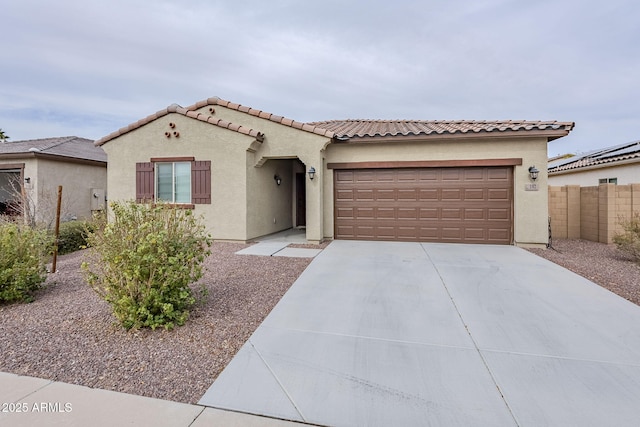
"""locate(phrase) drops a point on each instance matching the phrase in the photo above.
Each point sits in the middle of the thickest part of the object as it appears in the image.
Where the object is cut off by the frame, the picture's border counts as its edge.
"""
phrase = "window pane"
(183, 182)
(165, 181)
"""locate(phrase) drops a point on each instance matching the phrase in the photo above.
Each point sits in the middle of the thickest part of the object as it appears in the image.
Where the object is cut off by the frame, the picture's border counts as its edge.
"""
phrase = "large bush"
(73, 235)
(628, 241)
(23, 252)
(143, 261)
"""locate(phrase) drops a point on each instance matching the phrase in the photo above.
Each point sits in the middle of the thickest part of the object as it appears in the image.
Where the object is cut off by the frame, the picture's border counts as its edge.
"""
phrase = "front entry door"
(301, 201)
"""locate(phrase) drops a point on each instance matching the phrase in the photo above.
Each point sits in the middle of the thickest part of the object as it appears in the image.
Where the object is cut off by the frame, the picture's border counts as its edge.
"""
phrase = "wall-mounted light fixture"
(533, 173)
(278, 179)
(311, 172)
(27, 180)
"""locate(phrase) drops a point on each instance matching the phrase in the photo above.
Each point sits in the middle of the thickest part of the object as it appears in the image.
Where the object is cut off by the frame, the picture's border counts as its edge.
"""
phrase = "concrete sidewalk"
(29, 402)
(391, 333)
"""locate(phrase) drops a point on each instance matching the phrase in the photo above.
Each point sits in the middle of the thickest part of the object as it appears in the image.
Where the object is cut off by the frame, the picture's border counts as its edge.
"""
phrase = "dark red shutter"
(201, 182)
(145, 179)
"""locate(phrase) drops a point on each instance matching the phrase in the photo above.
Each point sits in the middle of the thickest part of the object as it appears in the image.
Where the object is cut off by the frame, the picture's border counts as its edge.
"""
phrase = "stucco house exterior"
(619, 164)
(32, 170)
(251, 173)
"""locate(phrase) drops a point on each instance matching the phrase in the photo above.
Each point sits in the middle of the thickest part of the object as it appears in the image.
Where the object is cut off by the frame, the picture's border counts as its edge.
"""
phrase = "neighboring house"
(619, 164)
(32, 170)
(251, 173)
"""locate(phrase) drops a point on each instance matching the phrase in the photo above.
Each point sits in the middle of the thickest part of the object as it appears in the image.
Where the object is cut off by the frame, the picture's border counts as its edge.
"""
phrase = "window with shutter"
(174, 181)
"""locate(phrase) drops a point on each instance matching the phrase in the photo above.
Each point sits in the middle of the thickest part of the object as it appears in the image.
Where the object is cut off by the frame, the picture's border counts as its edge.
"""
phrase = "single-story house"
(252, 173)
(32, 170)
(619, 164)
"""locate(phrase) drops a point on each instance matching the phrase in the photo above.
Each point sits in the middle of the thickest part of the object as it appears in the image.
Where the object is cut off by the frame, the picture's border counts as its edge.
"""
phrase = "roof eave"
(602, 165)
(54, 157)
(549, 134)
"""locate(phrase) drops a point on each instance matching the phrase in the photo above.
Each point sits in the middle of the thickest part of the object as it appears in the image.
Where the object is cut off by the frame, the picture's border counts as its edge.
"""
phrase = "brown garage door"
(465, 205)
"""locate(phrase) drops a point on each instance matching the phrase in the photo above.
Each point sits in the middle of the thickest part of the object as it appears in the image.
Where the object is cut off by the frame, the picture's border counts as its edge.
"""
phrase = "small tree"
(143, 261)
(3, 136)
(628, 241)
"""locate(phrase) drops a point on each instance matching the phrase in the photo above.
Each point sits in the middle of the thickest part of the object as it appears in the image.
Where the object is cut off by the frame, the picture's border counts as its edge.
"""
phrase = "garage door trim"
(426, 164)
(401, 208)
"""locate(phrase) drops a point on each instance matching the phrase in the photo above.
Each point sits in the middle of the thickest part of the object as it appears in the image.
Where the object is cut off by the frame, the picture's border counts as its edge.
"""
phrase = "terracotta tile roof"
(307, 127)
(190, 112)
(344, 129)
(609, 156)
(68, 146)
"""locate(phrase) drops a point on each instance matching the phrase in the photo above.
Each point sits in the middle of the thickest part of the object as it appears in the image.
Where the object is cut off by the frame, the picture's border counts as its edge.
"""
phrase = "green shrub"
(73, 236)
(23, 252)
(143, 261)
(628, 241)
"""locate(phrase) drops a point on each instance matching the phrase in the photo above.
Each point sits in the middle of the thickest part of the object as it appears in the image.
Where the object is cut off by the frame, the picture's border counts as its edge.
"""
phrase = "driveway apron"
(393, 333)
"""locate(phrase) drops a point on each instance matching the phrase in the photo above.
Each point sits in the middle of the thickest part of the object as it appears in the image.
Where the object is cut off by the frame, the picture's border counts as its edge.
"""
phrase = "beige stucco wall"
(246, 202)
(268, 204)
(626, 174)
(284, 142)
(225, 217)
(530, 207)
(77, 181)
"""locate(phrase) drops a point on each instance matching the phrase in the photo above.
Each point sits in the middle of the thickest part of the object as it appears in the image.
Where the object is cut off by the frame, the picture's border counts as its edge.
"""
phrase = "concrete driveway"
(377, 333)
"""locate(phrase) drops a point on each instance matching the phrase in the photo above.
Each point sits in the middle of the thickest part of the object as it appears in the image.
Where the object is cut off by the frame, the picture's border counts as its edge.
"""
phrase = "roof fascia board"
(598, 166)
(53, 157)
(427, 164)
(549, 134)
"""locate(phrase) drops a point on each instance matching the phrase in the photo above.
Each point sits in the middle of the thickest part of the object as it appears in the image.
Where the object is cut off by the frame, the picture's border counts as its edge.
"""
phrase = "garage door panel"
(365, 213)
(475, 214)
(345, 213)
(475, 234)
(364, 177)
(386, 213)
(503, 214)
(363, 194)
(427, 194)
(429, 213)
(385, 194)
(451, 234)
(452, 214)
(407, 176)
(407, 213)
(425, 204)
(408, 194)
(499, 174)
(451, 194)
(385, 176)
(407, 233)
(497, 235)
(499, 194)
(428, 175)
(451, 174)
(474, 174)
(474, 194)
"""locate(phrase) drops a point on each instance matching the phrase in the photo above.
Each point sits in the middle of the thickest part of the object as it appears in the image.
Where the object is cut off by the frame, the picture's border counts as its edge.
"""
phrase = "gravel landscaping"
(68, 334)
(601, 263)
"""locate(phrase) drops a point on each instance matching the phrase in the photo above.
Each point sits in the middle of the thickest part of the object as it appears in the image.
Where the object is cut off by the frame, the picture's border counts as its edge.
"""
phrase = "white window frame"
(608, 181)
(173, 182)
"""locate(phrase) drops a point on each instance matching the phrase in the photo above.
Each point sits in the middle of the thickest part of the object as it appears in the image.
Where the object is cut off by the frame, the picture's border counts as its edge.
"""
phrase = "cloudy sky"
(88, 68)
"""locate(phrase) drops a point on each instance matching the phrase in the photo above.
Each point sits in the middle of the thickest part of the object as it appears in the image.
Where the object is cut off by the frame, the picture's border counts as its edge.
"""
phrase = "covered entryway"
(429, 204)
